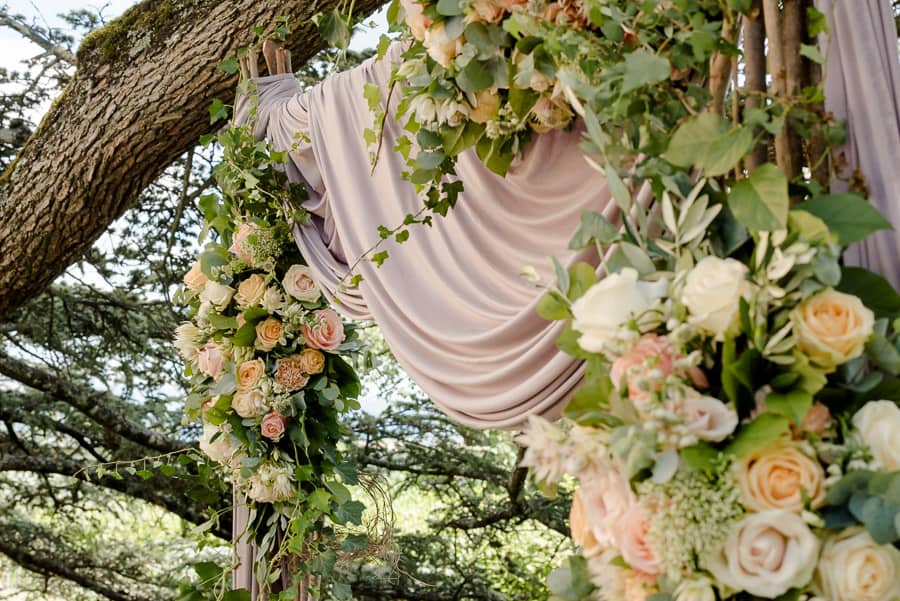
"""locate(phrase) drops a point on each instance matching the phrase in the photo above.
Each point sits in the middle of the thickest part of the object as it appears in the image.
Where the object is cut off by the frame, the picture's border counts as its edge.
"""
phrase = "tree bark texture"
(137, 101)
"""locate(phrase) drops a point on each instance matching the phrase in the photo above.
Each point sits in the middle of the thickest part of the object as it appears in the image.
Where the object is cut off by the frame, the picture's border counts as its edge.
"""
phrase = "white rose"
(766, 554)
(609, 303)
(216, 294)
(878, 424)
(220, 449)
(712, 292)
(709, 418)
(299, 283)
(249, 403)
(699, 589)
(853, 567)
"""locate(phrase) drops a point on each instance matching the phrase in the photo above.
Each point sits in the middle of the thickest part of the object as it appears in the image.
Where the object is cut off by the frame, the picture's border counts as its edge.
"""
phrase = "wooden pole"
(796, 72)
(754, 44)
(772, 15)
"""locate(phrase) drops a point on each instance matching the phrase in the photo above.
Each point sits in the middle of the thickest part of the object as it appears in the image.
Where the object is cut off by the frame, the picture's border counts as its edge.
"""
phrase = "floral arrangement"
(736, 433)
(264, 355)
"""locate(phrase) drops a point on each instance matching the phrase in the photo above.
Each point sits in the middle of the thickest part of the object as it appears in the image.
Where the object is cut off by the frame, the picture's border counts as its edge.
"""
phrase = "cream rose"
(272, 426)
(216, 294)
(697, 589)
(712, 291)
(766, 554)
(187, 341)
(250, 292)
(299, 283)
(832, 328)
(249, 403)
(487, 103)
(220, 449)
(636, 548)
(195, 279)
(249, 373)
(440, 46)
(268, 333)
(311, 361)
(777, 476)
(580, 527)
(853, 567)
(609, 303)
(708, 418)
(878, 424)
(326, 332)
(211, 361)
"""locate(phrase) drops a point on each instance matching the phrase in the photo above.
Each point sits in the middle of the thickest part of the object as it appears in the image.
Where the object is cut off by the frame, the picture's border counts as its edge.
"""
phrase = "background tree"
(88, 378)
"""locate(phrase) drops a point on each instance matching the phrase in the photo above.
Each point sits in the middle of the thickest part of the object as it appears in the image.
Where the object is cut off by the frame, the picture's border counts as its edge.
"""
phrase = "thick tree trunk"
(138, 100)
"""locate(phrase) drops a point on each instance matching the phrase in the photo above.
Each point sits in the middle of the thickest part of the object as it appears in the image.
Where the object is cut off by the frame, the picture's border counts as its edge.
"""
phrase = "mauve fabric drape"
(450, 301)
(862, 85)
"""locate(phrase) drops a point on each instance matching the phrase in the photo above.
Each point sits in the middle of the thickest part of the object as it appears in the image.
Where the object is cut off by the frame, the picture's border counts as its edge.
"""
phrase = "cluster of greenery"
(101, 490)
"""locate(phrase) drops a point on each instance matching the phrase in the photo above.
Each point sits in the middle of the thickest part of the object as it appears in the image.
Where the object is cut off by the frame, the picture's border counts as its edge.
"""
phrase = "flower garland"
(735, 436)
(265, 357)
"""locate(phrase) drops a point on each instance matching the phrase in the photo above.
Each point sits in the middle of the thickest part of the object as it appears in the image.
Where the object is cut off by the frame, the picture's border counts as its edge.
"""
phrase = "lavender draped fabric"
(450, 301)
(862, 85)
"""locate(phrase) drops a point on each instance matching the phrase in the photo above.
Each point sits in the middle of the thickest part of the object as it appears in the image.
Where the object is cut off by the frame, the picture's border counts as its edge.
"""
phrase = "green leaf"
(229, 65)
(849, 216)
(334, 28)
(449, 8)
(761, 201)
(222, 322)
(812, 53)
(883, 354)
(217, 111)
(644, 68)
(636, 257)
(726, 152)
(581, 277)
(875, 292)
(794, 404)
(350, 512)
(241, 594)
(700, 457)
(553, 306)
(208, 571)
(710, 142)
(320, 499)
(594, 227)
(766, 428)
(475, 77)
(618, 189)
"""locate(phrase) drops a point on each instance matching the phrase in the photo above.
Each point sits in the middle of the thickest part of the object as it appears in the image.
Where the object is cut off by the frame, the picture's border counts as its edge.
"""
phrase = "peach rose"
(195, 279)
(311, 361)
(606, 495)
(550, 113)
(636, 548)
(776, 477)
(486, 11)
(250, 291)
(326, 333)
(817, 420)
(249, 372)
(580, 526)
(832, 328)
(415, 18)
(440, 46)
(299, 283)
(239, 245)
(289, 373)
(487, 103)
(510, 4)
(272, 425)
(268, 333)
(211, 361)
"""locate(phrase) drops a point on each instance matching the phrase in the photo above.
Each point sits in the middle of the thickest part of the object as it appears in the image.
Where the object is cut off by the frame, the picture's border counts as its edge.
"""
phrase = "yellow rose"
(249, 372)
(195, 279)
(251, 291)
(268, 333)
(775, 477)
(832, 328)
(311, 361)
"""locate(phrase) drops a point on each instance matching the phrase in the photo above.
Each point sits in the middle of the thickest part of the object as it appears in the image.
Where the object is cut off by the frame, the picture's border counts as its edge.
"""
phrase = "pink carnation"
(272, 425)
(326, 333)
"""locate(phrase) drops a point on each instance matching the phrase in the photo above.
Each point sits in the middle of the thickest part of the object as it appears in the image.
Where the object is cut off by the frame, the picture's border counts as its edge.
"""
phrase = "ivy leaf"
(229, 65)
(350, 512)
(217, 111)
(644, 68)
(320, 499)
(849, 216)
(761, 201)
(812, 53)
(333, 28)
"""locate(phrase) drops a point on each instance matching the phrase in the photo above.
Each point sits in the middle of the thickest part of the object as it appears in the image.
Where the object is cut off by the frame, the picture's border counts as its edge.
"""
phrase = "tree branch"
(37, 37)
(92, 403)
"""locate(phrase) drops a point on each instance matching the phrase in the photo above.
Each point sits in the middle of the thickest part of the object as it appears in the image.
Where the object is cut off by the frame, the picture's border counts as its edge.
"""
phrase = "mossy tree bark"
(138, 100)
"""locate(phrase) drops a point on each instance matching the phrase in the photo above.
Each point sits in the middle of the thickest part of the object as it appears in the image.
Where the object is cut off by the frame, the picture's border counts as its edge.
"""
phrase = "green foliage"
(849, 216)
(761, 201)
(868, 498)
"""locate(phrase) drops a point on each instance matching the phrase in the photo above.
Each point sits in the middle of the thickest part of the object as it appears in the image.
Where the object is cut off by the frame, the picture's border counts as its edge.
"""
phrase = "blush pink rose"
(326, 333)
(272, 425)
(238, 243)
(211, 361)
(634, 544)
(650, 352)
